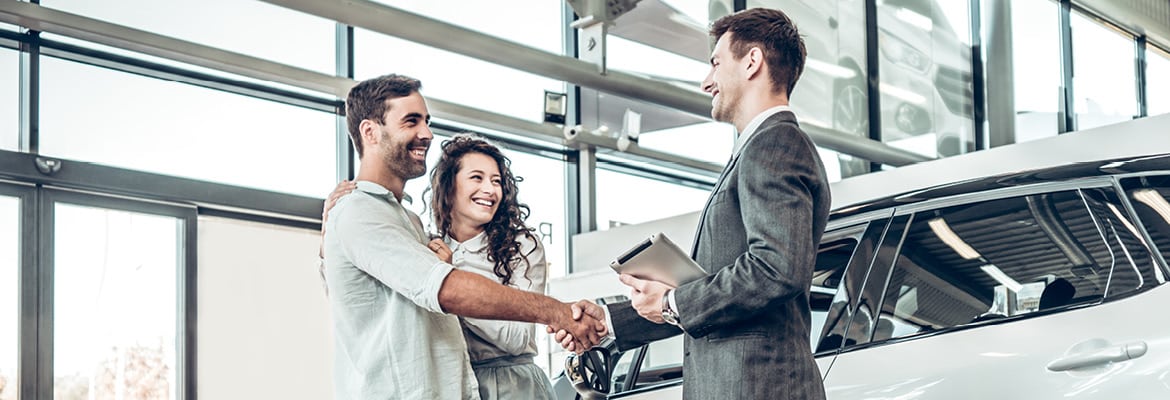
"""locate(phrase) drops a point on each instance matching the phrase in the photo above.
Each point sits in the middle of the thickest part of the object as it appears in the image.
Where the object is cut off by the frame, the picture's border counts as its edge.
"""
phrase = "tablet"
(658, 259)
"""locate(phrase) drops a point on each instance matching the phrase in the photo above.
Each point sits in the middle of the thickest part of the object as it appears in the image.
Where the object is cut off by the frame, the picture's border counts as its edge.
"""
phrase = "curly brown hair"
(508, 223)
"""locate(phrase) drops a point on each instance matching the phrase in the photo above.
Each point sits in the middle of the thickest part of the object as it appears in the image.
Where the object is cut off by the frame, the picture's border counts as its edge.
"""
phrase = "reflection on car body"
(1033, 284)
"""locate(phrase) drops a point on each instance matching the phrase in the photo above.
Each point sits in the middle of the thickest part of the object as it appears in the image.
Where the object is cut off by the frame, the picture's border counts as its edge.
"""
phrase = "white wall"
(263, 320)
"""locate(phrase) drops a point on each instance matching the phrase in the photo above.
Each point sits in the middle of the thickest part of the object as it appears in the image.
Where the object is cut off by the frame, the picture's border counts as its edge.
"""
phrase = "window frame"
(44, 291)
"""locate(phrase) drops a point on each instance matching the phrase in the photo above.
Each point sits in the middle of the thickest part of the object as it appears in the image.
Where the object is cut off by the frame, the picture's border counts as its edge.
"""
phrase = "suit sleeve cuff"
(673, 304)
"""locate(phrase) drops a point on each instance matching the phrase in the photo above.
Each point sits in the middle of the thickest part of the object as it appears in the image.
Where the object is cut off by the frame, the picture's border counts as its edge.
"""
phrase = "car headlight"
(902, 53)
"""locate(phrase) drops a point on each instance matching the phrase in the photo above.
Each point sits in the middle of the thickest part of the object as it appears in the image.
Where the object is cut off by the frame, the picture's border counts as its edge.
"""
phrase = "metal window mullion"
(873, 93)
(188, 316)
(345, 59)
(27, 290)
(30, 72)
(1139, 68)
(44, 296)
(979, 106)
(1068, 121)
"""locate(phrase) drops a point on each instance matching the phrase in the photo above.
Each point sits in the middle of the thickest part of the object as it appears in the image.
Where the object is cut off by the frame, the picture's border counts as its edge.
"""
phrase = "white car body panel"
(1008, 360)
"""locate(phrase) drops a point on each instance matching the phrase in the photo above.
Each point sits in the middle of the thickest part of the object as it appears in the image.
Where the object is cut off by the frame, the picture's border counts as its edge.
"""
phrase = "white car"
(1037, 284)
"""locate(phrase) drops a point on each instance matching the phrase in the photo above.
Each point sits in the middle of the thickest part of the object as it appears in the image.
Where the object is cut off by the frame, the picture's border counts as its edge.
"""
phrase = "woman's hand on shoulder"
(441, 250)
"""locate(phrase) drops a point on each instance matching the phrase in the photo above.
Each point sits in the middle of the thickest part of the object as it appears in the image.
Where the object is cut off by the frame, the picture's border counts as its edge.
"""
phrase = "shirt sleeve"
(379, 240)
(512, 336)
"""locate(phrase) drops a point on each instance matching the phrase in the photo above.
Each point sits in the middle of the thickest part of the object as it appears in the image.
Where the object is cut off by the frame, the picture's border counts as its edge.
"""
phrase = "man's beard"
(401, 163)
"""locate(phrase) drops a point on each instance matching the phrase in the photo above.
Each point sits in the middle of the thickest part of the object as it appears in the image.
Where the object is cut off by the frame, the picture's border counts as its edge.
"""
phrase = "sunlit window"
(115, 304)
(832, 92)
(1157, 81)
(9, 295)
(1103, 74)
(249, 27)
(10, 102)
(1036, 62)
(465, 80)
(624, 199)
(125, 120)
(925, 64)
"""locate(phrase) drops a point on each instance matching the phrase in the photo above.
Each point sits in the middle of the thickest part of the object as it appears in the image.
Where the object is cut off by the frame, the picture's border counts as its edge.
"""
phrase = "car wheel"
(850, 108)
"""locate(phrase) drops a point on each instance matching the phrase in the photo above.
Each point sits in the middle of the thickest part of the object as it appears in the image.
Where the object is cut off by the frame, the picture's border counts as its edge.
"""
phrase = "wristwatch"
(668, 314)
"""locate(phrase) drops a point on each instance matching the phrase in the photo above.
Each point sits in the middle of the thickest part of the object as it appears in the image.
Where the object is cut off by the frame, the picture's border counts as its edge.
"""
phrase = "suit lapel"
(783, 116)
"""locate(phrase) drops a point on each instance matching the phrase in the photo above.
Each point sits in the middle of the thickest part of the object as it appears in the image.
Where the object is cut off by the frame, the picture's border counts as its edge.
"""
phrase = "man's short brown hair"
(772, 32)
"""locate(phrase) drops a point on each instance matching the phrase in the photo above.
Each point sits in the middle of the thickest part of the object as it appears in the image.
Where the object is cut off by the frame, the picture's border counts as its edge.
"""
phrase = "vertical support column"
(873, 95)
(978, 101)
(1139, 69)
(1001, 113)
(30, 93)
(344, 49)
(29, 287)
(1067, 110)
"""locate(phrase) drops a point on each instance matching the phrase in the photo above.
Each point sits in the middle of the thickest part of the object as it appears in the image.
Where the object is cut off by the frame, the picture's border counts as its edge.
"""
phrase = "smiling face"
(725, 81)
(405, 136)
(477, 191)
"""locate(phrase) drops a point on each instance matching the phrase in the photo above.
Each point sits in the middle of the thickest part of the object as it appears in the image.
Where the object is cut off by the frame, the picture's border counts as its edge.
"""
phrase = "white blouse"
(489, 339)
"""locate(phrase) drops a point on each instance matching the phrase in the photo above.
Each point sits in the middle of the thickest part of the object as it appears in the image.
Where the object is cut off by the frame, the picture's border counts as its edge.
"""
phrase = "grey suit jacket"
(748, 322)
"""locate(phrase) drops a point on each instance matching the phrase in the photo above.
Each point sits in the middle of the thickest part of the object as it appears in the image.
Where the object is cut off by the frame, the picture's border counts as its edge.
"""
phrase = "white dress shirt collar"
(380, 191)
(754, 125)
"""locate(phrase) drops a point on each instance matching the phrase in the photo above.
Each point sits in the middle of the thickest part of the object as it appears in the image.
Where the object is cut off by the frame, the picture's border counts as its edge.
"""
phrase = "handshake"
(586, 326)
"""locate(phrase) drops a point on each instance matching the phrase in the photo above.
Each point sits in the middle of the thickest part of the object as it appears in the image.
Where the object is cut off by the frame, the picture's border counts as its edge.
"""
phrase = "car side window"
(1133, 267)
(850, 300)
(832, 258)
(1150, 198)
(1003, 258)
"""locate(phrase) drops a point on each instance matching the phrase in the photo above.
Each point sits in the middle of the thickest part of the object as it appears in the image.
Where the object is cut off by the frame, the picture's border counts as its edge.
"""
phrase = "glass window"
(1103, 75)
(9, 295)
(452, 77)
(126, 120)
(1036, 64)
(1004, 258)
(115, 303)
(627, 199)
(832, 258)
(850, 301)
(1157, 81)
(256, 28)
(464, 80)
(1150, 197)
(10, 102)
(925, 64)
(509, 21)
(834, 36)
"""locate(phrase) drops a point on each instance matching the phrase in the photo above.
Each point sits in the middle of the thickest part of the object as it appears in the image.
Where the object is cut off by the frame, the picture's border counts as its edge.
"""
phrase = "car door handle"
(1121, 352)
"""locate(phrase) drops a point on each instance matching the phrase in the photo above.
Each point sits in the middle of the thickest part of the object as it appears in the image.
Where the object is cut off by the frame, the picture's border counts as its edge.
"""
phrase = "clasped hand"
(579, 331)
(645, 297)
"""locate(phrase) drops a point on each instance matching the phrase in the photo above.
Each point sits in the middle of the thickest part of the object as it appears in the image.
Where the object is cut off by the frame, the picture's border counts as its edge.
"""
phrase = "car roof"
(1133, 146)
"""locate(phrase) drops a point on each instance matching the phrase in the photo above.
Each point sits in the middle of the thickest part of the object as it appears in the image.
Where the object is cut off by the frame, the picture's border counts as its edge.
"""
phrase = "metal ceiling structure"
(389, 20)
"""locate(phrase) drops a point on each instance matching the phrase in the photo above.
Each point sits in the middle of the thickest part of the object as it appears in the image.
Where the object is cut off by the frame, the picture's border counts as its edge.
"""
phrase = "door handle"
(1100, 356)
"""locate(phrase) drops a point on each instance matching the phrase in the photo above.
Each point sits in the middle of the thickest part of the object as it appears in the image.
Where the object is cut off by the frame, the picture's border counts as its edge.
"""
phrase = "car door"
(1044, 294)
(846, 246)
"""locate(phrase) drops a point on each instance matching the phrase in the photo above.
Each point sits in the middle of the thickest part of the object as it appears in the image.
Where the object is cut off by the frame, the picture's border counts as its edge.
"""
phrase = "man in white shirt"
(394, 303)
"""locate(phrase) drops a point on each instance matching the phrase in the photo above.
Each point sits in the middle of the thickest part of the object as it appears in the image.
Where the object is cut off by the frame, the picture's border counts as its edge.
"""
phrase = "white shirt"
(754, 125)
(391, 338)
(489, 339)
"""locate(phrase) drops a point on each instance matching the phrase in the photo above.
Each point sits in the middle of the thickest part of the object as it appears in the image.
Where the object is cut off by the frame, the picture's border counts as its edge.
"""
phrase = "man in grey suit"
(747, 323)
